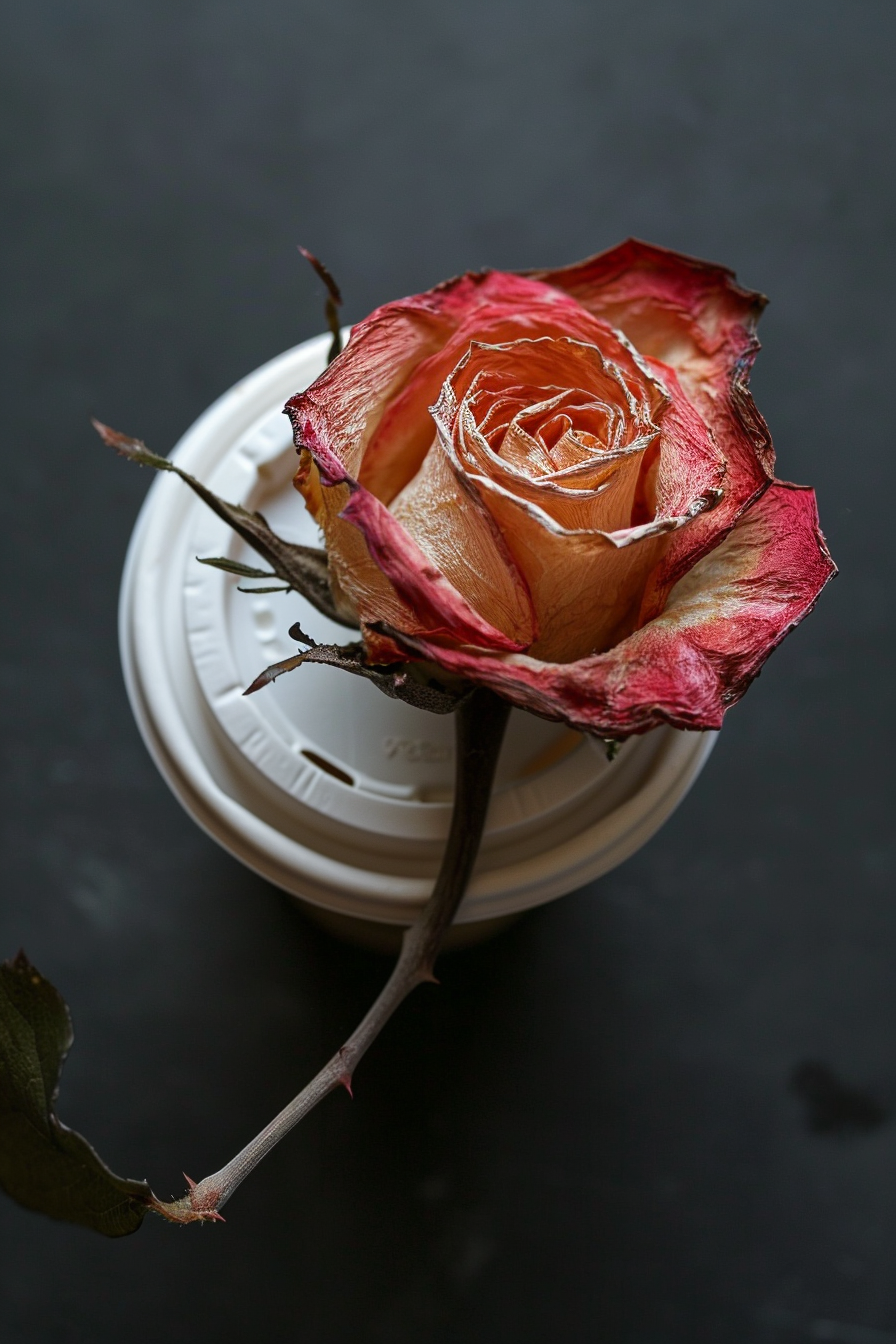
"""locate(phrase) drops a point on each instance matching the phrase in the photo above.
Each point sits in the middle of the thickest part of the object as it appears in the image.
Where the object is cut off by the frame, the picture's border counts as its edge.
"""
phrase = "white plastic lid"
(319, 782)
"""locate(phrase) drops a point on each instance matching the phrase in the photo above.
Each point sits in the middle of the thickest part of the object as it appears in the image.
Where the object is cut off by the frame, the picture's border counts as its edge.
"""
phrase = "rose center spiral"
(548, 433)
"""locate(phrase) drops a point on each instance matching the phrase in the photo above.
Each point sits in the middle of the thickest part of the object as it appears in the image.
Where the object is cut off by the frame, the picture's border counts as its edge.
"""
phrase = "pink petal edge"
(689, 665)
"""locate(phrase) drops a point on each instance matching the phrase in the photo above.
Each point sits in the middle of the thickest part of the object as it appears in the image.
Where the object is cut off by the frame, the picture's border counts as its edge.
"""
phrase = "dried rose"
(557, 485)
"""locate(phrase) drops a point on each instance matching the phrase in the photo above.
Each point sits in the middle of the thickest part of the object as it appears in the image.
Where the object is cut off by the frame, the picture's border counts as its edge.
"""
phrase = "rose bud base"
(327, 788)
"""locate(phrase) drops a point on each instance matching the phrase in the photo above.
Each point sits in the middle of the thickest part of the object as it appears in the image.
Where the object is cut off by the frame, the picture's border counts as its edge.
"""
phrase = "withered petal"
(699, 545)
(694, 317)
(696, 659)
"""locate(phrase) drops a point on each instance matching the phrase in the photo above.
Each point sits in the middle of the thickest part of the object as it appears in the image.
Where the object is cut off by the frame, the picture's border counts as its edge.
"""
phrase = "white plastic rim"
(322, 785)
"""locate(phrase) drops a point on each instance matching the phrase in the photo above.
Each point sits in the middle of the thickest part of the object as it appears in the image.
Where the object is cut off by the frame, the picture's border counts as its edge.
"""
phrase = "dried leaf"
(412, 683)
(43, 1164)
(333, 302)
(274, 671)
(303, 568)
(271, 588)
(235, 567)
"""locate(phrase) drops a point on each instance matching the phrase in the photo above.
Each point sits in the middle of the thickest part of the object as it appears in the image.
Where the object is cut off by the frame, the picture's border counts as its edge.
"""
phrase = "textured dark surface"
(590, 1132)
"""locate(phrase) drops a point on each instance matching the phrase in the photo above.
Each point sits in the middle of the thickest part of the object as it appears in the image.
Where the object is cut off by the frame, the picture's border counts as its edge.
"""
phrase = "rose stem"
(479, 729)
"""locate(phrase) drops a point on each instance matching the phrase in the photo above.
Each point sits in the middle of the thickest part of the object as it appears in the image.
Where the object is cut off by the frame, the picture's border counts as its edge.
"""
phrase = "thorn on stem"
(298, 634)
(193, 1207)
(346, 1081)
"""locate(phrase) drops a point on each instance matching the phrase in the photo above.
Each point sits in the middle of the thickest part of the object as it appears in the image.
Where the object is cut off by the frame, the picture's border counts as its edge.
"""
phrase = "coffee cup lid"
(319, 782)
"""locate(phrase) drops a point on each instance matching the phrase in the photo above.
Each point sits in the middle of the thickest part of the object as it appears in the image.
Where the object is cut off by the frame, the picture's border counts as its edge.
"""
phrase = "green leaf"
(43, 1164)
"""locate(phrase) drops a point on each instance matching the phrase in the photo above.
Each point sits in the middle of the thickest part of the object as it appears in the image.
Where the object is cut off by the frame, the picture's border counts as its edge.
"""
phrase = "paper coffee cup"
(319, 782)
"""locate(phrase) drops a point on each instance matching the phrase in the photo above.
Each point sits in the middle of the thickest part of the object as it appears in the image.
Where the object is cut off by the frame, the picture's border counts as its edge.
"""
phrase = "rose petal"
(692, 316)
(366, 421)
(535, 369)
(691, 480)
(436, 604)
(687, 313)
(445, 515)
(586, 585)
(372, 404)
(589, 571)
(689, 665)
(379, 565)
(368, 414)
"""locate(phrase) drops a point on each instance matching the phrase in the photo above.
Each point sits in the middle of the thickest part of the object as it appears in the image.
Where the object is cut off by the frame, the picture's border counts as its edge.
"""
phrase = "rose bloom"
(556, 484)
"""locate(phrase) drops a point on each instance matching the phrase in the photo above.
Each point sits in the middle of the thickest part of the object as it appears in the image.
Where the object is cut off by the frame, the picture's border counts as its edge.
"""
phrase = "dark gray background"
(588, 1132)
